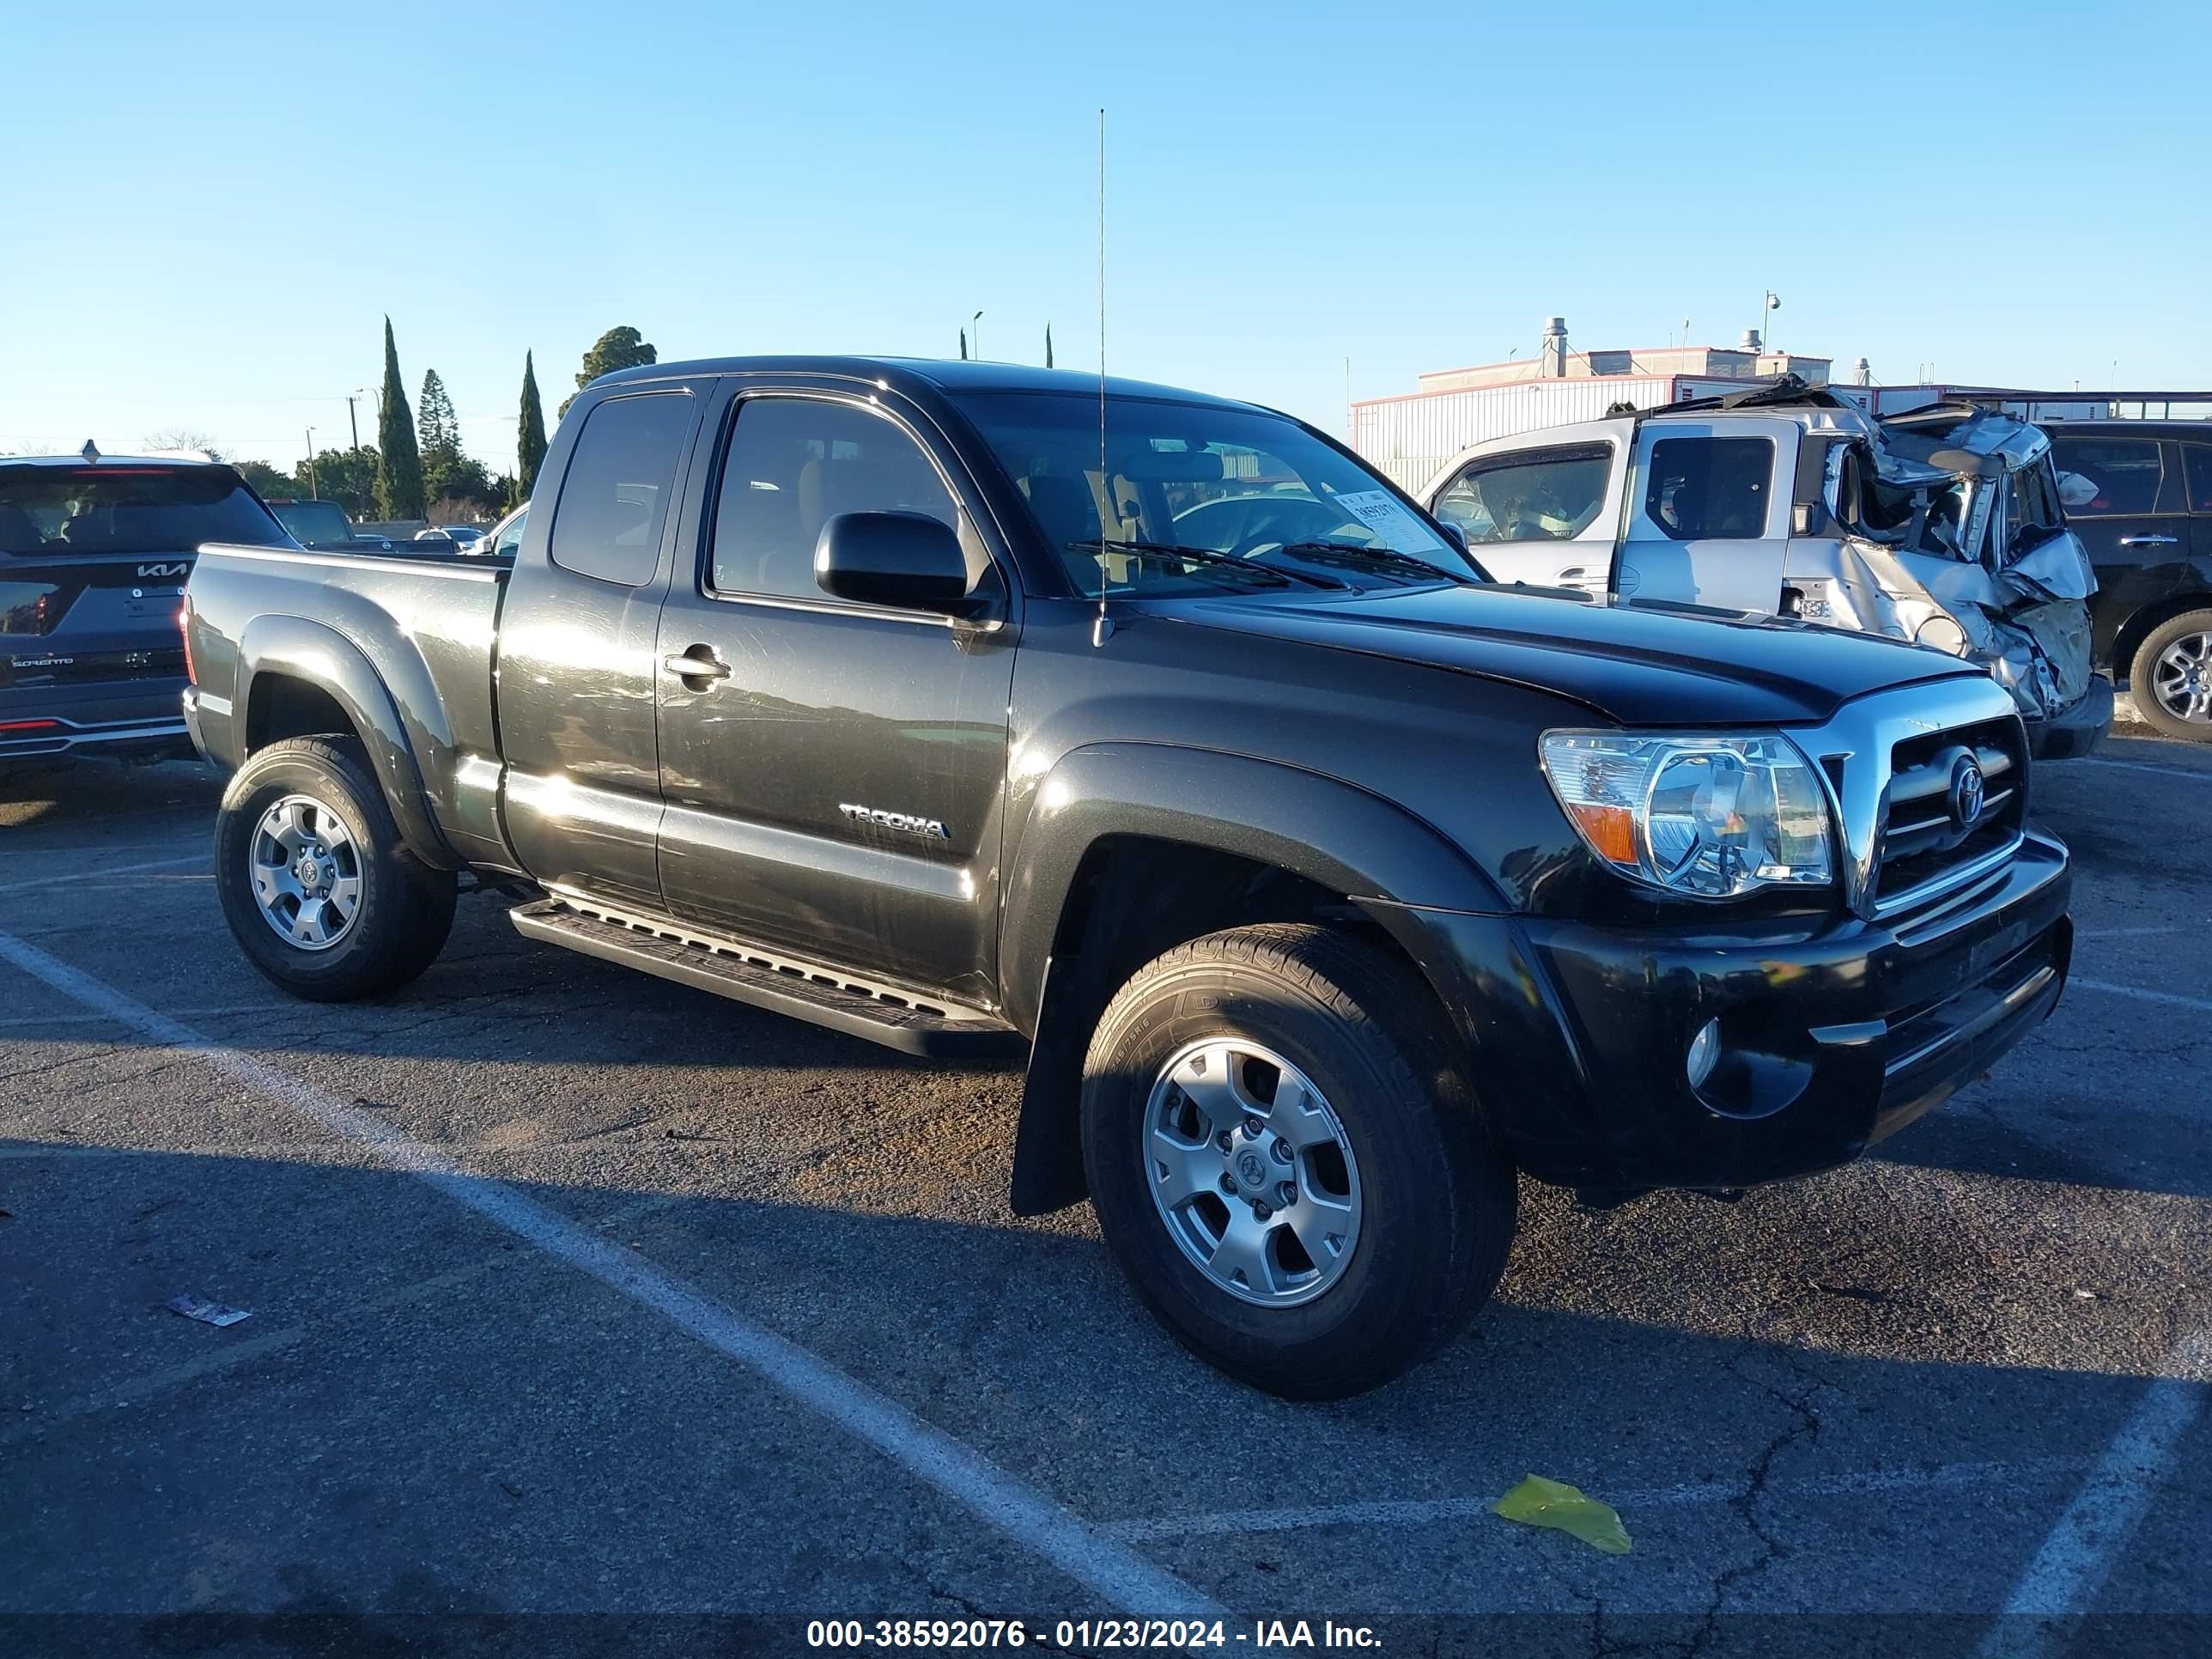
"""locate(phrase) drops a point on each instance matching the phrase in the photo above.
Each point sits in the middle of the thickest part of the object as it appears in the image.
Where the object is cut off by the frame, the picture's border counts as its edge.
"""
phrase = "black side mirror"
(909, 561)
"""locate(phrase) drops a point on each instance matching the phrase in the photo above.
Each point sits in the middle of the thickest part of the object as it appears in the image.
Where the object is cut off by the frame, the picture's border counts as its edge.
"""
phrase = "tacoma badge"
(904, 822)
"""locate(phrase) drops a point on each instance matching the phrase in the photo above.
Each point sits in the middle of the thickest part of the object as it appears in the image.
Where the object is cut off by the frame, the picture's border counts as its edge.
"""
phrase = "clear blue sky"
(209, 211)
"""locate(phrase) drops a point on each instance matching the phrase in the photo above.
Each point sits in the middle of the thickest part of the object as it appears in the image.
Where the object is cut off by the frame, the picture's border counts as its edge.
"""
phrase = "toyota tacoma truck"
(1323, 884)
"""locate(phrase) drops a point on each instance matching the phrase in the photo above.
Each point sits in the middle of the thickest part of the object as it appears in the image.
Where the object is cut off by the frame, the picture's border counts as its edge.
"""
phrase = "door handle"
(696, 668)
(2148, 541)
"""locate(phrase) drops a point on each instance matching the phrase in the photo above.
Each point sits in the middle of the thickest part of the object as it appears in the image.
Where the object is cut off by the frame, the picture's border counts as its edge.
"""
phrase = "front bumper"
(143, 717)
(1833, 1036)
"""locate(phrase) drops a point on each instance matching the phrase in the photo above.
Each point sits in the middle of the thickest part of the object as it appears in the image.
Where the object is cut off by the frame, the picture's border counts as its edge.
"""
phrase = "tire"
(1432, 1197)
(2174, 656)
(398, 911)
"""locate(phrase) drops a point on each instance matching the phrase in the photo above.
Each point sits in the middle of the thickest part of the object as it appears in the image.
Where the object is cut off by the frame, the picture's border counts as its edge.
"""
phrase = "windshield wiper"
(1210, 557)
(1354, 553)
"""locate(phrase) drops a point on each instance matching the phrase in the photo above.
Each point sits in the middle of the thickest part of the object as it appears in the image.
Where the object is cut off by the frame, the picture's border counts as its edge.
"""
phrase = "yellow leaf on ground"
(1541, 1503)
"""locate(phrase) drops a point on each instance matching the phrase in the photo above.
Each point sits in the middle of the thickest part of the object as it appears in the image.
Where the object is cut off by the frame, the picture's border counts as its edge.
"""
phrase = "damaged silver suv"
(1943, 526)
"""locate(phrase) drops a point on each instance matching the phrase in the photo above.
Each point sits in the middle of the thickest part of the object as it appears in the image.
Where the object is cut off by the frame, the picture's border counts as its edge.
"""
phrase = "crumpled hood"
(1642, 665)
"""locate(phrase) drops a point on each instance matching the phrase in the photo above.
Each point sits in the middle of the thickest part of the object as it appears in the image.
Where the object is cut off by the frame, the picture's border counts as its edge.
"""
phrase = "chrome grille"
(1889, 759)
(1922, 840)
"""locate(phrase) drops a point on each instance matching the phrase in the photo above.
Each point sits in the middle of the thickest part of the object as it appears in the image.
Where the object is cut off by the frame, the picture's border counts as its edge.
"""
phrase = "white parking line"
(1423, 1512)
(103, 870)
(2078, 1553)
(2203, 1006)
(2122, 933)
(1104, 1565)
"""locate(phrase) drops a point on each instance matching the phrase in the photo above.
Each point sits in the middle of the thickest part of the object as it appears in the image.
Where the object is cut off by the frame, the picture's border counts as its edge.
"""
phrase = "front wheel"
(2171, 676)
(318, 889)
(1286, 1160)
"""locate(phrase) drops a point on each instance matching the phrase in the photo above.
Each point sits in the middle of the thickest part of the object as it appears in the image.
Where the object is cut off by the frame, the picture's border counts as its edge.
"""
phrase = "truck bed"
(425, 624)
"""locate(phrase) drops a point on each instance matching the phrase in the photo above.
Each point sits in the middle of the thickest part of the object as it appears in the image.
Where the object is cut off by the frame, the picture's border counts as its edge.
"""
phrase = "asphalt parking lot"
(574, 1291)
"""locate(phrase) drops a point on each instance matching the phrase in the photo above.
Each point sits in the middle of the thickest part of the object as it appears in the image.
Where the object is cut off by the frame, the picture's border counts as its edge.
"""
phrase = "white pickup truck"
(1943, 526)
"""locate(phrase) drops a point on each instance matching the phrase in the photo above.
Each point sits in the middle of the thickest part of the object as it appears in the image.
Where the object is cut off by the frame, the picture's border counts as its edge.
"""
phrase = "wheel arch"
(294, 674)
(2147, 621)
(1132, 848)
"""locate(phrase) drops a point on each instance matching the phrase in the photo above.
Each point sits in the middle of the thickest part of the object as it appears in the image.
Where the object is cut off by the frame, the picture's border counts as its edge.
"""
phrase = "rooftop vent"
(1555, 348)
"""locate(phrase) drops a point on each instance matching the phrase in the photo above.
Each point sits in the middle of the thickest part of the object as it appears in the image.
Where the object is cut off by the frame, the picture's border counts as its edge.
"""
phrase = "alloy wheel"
(306, 868)
(1251, 1171)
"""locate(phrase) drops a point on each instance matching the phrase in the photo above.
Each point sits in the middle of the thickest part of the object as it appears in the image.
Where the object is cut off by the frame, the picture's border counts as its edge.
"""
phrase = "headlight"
(1944, 634)
(1713, 816)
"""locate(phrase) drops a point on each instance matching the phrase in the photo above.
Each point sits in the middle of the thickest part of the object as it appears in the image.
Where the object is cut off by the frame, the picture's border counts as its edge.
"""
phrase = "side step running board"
(771, 980)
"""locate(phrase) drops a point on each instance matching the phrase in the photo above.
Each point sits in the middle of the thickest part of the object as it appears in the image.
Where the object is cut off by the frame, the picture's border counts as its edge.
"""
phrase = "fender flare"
(1330, 831)
(327, 659)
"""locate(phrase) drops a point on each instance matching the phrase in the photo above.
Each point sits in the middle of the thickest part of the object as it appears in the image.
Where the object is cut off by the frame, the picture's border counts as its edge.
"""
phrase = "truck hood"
(1644, 665)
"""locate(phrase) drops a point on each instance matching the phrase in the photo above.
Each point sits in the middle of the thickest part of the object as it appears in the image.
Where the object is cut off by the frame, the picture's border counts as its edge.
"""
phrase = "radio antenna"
(1104, 626)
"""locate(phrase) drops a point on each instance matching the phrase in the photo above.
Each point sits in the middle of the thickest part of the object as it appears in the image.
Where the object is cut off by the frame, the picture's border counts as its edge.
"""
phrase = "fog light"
(1705, 1050)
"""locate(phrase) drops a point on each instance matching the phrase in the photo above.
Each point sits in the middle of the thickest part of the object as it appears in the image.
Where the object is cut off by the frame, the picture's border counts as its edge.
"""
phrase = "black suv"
(2148, 529)
(93, 554)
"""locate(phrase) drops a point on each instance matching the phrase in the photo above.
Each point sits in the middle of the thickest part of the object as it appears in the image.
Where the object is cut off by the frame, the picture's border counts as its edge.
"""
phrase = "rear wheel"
(318, 889)
(1286, 1160)
(2170, 677)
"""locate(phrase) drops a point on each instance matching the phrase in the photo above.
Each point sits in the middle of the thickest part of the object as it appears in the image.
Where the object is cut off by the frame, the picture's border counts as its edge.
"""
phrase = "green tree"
(347, 477)
(530, 443)
(434, 425)
(446, 472)
(618, 347)
(266, 480)
(399, 463)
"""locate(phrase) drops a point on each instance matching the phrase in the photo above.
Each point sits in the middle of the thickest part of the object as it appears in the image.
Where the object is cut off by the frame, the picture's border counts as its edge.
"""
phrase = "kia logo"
(1967, 785)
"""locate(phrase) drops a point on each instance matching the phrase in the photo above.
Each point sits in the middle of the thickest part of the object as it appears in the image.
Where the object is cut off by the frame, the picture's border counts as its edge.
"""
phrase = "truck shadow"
(1735, 1414)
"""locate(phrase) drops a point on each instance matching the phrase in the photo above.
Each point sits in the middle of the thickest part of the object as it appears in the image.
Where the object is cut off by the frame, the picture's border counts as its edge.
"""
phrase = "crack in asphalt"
(1807, 1429)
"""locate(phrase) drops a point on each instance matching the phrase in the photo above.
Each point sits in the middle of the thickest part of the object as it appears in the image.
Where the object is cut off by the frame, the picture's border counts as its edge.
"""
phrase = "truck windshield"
(314, 523)
(1254, 486)
(123, 507)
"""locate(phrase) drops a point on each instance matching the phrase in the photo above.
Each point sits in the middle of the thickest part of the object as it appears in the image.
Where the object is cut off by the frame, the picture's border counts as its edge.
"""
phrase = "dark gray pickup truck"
(1322, 884)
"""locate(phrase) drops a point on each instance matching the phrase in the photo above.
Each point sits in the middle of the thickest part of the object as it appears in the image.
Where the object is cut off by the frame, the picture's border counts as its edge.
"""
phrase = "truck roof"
(910, 374)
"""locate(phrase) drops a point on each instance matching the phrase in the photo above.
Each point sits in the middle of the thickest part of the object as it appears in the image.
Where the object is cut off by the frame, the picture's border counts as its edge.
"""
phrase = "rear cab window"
(614, 499)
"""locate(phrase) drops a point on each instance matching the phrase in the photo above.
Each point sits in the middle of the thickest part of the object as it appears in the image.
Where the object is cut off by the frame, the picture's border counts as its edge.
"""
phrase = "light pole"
(312, 490)
(1772, 301)
(976, 335)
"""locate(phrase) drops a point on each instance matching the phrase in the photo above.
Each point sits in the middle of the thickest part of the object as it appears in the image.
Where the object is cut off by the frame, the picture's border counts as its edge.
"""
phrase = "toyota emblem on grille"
(1966, 788)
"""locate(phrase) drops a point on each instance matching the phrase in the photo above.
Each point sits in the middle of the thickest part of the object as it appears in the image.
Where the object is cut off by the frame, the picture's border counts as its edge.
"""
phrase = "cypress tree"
(530, 444)
(399, 462)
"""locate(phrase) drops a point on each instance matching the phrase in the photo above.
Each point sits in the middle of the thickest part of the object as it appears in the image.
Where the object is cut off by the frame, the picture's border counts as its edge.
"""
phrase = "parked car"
(93, 554)
(461, 537)
(2143, 506)
(1943, 526)
(505, 538)
(324, 527)
(1323, 889)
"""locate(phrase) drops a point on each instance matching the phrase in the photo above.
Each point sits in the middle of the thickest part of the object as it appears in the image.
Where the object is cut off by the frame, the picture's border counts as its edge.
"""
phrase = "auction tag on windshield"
(1381, 513)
